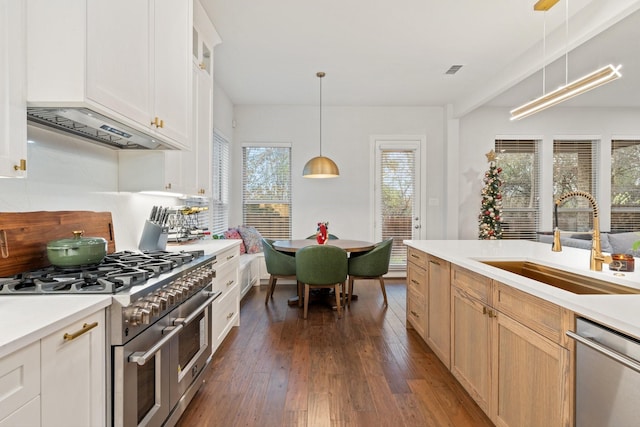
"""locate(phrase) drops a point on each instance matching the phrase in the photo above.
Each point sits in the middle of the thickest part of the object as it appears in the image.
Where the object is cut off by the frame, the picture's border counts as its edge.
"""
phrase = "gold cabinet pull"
(85, 328)
(4, 244)
(22, 166)
(230, 315)
(161, 125)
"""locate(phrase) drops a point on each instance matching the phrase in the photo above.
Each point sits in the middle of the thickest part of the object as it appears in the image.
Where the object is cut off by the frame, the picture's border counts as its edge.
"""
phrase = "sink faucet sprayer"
(597, 257)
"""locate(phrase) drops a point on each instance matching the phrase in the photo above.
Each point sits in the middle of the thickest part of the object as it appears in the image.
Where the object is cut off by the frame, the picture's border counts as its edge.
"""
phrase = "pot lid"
(76, 241)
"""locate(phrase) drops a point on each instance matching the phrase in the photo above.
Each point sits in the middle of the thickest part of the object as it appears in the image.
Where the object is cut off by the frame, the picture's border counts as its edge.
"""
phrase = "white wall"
(66, 173)
(344, 201)
(478, 131)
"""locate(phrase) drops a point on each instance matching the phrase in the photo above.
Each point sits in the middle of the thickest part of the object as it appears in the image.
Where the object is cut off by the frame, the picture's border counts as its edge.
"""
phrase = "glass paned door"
(397, 196)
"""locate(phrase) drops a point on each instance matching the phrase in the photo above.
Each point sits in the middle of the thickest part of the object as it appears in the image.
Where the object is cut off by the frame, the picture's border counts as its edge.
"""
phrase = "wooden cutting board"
(24, 235)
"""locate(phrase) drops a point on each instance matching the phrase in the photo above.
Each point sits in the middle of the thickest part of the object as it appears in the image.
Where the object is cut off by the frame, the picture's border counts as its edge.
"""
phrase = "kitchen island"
(620, 312)
(503, 335)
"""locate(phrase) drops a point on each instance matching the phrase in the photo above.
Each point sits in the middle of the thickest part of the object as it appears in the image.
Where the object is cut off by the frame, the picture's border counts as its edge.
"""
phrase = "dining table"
(350, 246)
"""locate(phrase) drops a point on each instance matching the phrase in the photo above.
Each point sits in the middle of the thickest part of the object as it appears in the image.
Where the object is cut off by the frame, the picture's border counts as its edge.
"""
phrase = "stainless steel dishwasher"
(607, 376)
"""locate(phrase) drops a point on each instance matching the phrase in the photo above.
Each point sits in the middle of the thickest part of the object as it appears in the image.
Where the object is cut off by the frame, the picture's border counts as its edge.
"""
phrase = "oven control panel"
(156, 304)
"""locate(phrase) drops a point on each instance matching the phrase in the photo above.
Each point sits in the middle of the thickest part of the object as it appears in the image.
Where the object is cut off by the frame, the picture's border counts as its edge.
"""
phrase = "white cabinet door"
(73, 389)
(172, 68)
(204, 137)
(119, 60)
(13, 107)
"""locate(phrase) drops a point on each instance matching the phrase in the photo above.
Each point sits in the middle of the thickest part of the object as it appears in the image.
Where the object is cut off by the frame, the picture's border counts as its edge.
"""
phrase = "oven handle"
(618, 357)
(184, 321)
(141, 358)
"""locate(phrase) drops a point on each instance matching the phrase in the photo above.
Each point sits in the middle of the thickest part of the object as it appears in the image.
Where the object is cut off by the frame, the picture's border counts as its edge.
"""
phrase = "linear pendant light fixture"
(569, 90)
(575, 88)
(320, 166)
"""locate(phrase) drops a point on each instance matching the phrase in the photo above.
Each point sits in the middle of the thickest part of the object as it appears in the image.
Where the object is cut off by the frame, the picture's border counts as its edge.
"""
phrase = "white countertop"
(621, 312)
(25, 319)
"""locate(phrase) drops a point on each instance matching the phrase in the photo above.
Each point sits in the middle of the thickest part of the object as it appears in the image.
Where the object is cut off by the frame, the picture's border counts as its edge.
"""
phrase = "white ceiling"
(384, 52)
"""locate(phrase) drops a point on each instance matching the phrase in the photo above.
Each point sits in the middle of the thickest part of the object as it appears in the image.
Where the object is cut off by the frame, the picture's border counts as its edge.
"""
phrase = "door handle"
(618, 357)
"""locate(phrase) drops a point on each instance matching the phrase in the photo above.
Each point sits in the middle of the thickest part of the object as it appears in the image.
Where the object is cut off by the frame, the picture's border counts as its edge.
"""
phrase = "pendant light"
(320, 166)
(569, 90)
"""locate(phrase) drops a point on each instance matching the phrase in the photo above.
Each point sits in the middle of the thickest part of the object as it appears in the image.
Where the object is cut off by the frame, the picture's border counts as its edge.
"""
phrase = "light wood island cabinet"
(508, 348)
(438, 299)
(416, 291)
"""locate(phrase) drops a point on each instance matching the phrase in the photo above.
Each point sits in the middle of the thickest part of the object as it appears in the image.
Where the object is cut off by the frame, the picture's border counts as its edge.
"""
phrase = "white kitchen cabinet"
(13, 107)
(126, 60)
(73, 389)
(20, 387)
(150, 171)
(186, 171)
(226, 308)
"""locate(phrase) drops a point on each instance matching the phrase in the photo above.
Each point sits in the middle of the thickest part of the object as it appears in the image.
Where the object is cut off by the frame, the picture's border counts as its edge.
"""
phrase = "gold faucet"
(597, 258)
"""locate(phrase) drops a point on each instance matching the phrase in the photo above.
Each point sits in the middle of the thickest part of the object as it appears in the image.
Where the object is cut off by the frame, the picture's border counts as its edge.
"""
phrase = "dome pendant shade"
(320, 167)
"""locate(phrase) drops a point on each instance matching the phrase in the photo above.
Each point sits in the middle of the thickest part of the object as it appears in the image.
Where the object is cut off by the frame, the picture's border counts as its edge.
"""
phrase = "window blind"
(220, 184)
(266, 189)
(520, 163)
(574, 169)
(397, 202)
(625, 185)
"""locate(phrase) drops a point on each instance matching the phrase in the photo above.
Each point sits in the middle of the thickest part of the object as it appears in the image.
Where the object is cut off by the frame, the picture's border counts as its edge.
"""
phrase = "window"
(220, 184)
(266, 189)
(625, 185)
(574, 169)
(520, 177)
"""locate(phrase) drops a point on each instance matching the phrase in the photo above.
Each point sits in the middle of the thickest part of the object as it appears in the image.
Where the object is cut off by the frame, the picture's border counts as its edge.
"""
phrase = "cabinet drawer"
(19, 378)
(225, 277)
(544, 317)
(27, 416)
(226, 256)
(417, 280)
(416, 313)
(417, 257)
(475, 285)
(225, 312)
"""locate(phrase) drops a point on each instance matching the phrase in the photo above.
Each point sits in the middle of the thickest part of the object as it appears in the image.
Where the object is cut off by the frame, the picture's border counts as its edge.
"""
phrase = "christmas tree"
(490, 217)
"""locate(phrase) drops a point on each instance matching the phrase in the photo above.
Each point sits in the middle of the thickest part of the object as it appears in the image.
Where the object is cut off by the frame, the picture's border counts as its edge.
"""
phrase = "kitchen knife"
(152, 217)
(158, 215)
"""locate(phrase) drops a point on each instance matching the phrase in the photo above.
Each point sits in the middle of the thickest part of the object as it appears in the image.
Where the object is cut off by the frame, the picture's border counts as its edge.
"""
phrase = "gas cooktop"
(118, 272)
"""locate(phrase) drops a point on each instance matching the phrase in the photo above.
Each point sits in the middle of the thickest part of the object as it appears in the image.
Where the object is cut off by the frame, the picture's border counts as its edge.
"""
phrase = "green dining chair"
(279, 266)
(322, 266)
(373, 264)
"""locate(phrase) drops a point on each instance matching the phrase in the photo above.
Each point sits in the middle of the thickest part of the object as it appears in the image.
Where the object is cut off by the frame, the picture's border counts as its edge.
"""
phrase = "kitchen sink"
(570, 282)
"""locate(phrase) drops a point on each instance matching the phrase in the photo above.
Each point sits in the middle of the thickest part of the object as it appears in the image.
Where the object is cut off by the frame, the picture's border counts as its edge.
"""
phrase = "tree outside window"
(266, 189)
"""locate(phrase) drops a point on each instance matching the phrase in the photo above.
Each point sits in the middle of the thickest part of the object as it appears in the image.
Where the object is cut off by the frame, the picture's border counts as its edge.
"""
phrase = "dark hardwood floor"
(365, 369)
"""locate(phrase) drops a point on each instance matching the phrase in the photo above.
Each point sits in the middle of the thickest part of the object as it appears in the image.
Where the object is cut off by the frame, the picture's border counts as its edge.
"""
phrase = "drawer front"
(473, 284)
(226, 312)
(544, 317)
(417, 280)
(226, 256)
(416, 313)
(226, 277)
(19, 378)
(417, 257)
(27, 416)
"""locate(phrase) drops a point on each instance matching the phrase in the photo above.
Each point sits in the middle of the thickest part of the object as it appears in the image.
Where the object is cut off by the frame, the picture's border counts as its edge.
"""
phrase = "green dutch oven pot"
(76, 251)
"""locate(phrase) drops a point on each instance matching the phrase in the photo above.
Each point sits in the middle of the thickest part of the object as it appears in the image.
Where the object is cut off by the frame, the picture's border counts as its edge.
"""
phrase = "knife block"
(154, 237)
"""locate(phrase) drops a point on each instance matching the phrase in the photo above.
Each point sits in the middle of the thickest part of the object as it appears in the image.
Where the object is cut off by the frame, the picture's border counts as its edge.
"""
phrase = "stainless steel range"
(159, 328)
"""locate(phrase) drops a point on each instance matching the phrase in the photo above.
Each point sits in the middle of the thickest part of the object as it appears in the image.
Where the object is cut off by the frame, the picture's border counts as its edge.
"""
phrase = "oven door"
(141, 395)
(192, 346)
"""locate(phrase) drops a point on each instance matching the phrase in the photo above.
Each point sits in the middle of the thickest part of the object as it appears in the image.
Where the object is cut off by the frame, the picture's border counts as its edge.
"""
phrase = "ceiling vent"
(453, 69)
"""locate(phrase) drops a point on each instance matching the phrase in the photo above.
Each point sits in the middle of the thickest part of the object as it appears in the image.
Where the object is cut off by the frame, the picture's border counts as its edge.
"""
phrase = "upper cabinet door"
(118, 57)
(172, 68)
(13, 107)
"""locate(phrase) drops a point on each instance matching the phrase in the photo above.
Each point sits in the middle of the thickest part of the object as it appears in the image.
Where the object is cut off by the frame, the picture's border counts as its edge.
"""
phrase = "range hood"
(94, 127)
